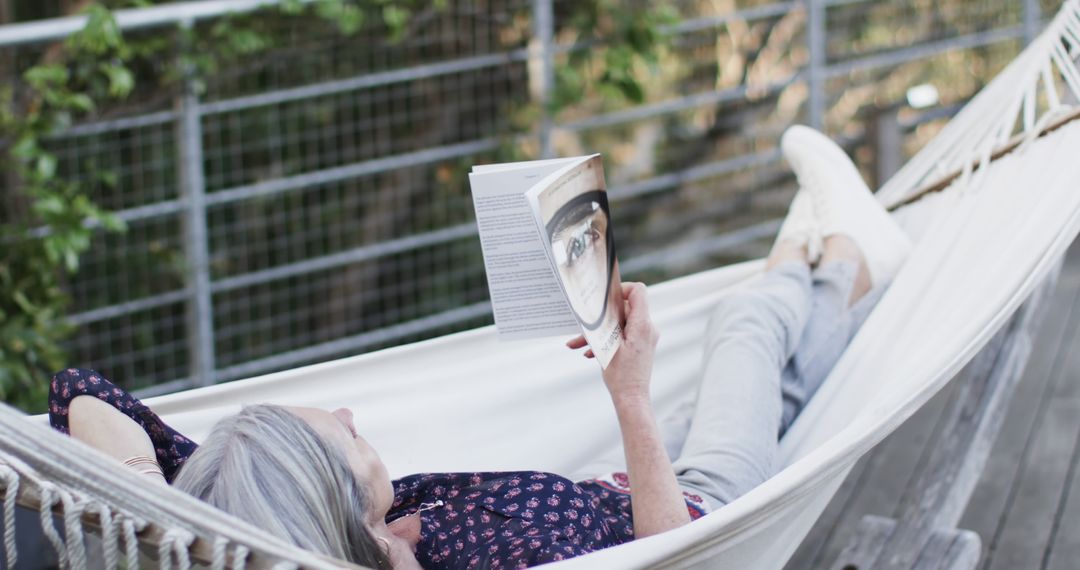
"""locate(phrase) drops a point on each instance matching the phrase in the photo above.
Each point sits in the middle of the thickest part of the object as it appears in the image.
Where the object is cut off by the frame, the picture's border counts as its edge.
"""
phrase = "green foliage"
(40, 247)
(631, 38)
(98, 67)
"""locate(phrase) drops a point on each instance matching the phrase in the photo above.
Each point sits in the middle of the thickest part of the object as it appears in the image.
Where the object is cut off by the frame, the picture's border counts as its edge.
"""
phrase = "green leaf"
(350, 20)
(46, 166)
(291, 7)
(108, 178)
(112, 223)
(26, 148)
(100, 34)
(121, 80)
(71, 261)
(81, 102)
(395, 18)
(50, 205)
(79, 241)
(20, 299)
(42, 77)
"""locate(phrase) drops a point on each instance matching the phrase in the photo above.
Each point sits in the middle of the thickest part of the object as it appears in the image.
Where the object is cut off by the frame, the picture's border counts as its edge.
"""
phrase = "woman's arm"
(169, 448)
(103, 427)
(657, 501)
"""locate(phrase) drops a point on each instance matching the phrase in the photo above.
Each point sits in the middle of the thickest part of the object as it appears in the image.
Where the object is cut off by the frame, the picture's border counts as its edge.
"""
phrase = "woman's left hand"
(628, 374)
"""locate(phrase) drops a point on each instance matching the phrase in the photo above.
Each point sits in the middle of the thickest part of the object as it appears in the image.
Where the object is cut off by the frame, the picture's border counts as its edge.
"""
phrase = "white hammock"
(444, 405)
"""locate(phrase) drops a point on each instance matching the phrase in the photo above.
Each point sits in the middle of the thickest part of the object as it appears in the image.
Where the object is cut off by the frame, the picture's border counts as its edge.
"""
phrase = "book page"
(525, 296)
(571, 208)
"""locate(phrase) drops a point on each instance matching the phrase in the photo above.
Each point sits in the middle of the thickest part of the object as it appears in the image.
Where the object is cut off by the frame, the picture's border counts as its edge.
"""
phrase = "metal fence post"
(196, 241)
(1032, 20)
(815, 80)
(543, 63)
(889, 141)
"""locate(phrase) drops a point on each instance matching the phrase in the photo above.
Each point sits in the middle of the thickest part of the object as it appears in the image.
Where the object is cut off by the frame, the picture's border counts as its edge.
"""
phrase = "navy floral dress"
(467, 520)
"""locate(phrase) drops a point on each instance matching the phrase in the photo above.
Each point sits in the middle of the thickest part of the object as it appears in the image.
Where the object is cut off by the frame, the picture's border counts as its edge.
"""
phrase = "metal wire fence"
(312, 203)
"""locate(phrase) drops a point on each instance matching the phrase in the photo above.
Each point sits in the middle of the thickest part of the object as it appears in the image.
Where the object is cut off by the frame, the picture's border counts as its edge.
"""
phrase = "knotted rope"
(11, 494)
(49, 497)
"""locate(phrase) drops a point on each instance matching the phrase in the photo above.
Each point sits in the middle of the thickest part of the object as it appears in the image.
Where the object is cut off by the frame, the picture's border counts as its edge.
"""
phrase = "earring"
(385, 543)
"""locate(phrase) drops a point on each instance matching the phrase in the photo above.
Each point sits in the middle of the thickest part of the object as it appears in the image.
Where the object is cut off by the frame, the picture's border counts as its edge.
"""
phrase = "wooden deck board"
(874, 486)
(990, 501)
(1028, 523)
(1042, 462)
(812, 551)
(1064, 551)
(1027, 504)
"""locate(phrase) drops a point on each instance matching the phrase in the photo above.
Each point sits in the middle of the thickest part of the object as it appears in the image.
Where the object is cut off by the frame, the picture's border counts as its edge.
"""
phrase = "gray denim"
(768, 348)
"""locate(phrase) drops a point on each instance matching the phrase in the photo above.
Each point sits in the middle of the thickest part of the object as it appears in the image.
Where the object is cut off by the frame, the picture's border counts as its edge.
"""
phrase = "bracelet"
(144, 465)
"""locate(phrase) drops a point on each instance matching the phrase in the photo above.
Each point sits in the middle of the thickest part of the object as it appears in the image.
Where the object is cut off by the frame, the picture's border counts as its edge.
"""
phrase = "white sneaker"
(801, 226)
(843, 203)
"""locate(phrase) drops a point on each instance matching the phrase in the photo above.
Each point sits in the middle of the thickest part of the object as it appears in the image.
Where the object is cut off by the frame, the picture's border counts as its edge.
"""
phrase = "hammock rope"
(240, 557)
(11, 494)
(1030, 100)
(131, 542)
(109, 539)
(990, 120)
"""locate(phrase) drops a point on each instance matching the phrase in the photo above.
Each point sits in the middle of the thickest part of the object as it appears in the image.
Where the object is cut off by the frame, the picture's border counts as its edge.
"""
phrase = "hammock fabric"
(983, 244)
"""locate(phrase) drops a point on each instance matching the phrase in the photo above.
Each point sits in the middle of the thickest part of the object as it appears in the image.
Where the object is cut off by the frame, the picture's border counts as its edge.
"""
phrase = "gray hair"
(269, 468)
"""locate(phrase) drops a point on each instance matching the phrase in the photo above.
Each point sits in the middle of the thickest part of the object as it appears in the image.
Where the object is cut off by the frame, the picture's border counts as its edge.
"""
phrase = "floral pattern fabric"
(468, 520)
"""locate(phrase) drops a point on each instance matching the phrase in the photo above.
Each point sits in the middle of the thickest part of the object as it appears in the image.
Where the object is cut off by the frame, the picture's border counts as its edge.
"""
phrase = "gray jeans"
(768, 348)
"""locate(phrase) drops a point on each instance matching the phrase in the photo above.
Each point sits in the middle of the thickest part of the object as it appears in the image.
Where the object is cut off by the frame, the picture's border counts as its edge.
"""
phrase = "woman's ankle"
(842, 249)
(787, 251)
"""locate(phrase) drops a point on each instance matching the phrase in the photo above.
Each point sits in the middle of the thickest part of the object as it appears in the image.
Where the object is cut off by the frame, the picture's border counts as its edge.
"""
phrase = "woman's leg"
(731, 445)
(842, 299)
(750, 360)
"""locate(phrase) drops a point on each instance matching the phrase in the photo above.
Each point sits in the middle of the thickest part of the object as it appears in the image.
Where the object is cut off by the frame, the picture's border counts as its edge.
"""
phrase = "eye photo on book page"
(575, 220)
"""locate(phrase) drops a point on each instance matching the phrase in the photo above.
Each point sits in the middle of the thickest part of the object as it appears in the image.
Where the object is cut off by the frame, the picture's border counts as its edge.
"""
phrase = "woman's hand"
(627, 375)
(657, 503)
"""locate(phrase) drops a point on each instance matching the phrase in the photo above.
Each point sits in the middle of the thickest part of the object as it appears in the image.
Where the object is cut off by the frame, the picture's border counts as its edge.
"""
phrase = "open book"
(548, 250)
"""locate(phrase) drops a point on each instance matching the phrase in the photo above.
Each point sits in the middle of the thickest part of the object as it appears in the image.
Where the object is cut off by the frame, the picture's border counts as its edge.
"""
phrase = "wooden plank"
(1025, 536)
(942, 485)
(1064, 551)
(884, 481)
(811, 550)
(942, 488)
(1029, 522)
(874, 532)
(952, 550)
(947, 549)
(874, 490)
(990, 499)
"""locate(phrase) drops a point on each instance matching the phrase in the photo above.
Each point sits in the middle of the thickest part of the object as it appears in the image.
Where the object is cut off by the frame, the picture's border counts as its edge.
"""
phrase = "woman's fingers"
(580, 342)
(577, 342)
(639, 324)
(637, 301)
(638, 321)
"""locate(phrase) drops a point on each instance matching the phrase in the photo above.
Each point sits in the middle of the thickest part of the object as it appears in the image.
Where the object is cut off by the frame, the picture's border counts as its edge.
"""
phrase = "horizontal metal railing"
(431, 155)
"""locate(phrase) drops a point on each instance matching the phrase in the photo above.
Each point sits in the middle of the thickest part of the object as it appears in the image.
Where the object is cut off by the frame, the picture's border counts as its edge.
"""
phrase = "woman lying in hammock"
(305, 475)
